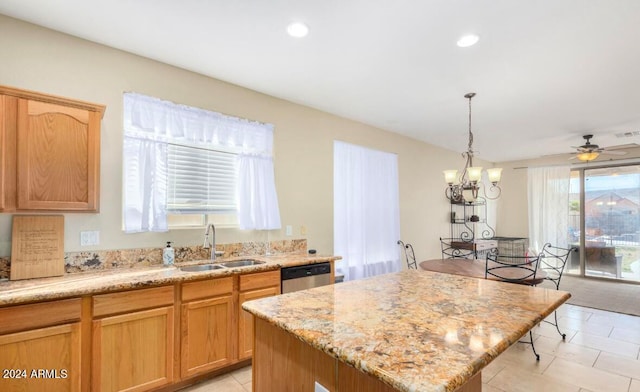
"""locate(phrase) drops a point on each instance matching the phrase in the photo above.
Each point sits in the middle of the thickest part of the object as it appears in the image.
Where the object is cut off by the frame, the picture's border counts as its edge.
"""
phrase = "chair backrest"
(409, 255)
(553, 261)
(456, 248)
(512, 268)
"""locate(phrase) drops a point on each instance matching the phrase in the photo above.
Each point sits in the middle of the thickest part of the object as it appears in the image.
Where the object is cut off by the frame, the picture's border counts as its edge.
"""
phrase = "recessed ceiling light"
(297, 29)
(467, 40)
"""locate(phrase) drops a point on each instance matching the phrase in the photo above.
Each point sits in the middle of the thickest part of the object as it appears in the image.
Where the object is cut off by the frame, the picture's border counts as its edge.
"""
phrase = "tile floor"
(601, 354)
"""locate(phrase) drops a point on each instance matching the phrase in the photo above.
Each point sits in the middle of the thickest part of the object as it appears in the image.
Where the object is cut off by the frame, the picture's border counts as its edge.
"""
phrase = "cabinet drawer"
(207, 288)
(259, 280)
(23, 317)
(128, 301)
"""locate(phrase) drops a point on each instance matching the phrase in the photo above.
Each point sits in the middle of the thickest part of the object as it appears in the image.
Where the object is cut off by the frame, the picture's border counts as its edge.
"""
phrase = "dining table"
(476, 268)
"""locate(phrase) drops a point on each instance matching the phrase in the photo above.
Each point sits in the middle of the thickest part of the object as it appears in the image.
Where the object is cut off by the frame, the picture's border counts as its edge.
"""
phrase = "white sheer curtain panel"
(548, 195)
(151, 123)
(366, 217)
(145, 192)
(257, 201)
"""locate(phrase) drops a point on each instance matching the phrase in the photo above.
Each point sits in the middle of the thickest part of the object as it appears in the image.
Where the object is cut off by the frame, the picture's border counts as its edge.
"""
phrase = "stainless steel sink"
(241, 263)
(201, 267)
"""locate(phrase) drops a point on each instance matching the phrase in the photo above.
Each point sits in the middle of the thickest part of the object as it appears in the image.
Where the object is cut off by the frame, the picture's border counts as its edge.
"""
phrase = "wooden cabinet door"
(58, 157)
(133, 351)
(245, 319)
(8, 113)
(206, 335)
(46, 359)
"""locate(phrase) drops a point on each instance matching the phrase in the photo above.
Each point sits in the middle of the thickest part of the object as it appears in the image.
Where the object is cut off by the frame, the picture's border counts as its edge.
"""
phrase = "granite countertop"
(84, 283)
(414, 330)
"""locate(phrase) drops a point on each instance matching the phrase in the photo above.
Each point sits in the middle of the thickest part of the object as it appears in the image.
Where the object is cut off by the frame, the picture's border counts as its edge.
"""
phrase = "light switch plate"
(289, 230)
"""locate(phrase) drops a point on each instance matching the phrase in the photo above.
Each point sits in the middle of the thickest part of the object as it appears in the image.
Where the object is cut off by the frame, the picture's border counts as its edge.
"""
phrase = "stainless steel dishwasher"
(304, 277)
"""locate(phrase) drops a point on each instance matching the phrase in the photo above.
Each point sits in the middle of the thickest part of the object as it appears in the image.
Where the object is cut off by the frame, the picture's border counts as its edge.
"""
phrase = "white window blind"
(200, 180)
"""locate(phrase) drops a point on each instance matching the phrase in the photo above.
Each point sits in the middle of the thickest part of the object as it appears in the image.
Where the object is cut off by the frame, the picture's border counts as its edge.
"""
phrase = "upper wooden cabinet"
(49, 152)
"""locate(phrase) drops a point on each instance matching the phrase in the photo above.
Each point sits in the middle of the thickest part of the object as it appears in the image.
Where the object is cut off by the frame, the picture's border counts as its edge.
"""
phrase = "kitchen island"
(408, 331)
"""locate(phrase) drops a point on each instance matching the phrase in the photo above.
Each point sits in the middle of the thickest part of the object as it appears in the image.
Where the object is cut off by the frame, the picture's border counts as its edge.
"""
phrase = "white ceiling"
(545, 71)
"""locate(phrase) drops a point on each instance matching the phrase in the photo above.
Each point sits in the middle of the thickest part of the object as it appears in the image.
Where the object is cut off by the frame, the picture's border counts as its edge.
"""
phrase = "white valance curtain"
(548, 195)
(366, 211)
(150, 124)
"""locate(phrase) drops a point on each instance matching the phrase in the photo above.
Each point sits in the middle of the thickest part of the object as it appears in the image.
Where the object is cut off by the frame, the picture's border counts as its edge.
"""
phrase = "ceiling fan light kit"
(587, 156)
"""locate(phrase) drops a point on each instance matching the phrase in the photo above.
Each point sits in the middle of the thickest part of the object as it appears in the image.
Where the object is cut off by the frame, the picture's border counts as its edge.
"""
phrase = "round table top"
(474, 268)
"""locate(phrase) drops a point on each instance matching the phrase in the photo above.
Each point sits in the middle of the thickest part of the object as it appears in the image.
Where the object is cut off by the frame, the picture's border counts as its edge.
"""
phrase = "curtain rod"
(593, 165)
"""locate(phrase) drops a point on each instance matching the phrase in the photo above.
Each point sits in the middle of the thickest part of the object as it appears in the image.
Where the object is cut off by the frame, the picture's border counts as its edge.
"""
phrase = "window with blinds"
(200, 180)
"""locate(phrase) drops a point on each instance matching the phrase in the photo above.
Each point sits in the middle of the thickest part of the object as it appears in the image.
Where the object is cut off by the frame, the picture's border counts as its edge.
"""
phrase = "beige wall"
(38, 59)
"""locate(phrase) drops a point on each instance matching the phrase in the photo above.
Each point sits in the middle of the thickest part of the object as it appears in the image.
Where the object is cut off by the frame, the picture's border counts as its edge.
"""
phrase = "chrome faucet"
(211, 230)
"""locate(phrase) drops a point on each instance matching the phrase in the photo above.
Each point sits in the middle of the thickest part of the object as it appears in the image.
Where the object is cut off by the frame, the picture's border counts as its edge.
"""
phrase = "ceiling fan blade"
(609, 152)
(623, 146)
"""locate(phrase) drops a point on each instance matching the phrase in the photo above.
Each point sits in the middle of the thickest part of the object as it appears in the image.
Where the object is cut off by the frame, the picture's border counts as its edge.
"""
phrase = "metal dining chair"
(409, 255)
(514, 269)
(553, 261)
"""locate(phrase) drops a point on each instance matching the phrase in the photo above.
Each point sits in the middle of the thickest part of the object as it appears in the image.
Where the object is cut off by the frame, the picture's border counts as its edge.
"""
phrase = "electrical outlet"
(289, 230)
(89, 238)
(303, 230)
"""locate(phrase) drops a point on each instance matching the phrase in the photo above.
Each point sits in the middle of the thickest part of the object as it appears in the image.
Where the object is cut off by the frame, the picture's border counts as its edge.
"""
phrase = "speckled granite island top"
(414, 330)
(70, 285)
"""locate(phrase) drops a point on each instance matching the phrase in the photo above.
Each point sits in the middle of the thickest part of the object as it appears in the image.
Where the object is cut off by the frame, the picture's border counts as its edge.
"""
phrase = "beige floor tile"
(224, 383)
(635, 386)
(491, 370)
(587, 326)
(586, 377)
(521, 356)
(550, 331)
(631, 335)
(517, 380)
(490, 388)
(605, 319)
(247, 386)
(606, 344)
(572, 352)
(627, 321)
(619, 365)
(574, 312)
(243, 375)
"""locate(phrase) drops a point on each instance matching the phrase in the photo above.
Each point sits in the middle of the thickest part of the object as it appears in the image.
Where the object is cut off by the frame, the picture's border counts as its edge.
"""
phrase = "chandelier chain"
(470, 133)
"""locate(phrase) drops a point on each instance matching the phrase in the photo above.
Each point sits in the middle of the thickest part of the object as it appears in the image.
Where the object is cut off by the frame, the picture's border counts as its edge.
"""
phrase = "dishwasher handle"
(302, 271)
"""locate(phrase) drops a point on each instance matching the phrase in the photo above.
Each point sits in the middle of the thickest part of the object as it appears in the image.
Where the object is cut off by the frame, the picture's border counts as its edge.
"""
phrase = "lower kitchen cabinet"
(134, 340)
(253, 286)
(206, 326)
(133, 350)
(36, 355)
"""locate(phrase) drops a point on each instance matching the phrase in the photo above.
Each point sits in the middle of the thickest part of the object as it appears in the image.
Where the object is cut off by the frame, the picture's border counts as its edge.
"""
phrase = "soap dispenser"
(168, 254)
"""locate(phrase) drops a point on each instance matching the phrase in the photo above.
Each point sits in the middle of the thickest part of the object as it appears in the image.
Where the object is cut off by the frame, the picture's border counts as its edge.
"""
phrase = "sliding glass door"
(611, 223)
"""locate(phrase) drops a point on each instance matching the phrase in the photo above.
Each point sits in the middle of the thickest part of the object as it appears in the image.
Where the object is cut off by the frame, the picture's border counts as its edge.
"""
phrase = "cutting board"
(37, 246)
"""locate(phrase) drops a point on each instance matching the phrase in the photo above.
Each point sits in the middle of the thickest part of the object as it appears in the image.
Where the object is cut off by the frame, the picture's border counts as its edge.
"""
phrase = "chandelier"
(466, 187)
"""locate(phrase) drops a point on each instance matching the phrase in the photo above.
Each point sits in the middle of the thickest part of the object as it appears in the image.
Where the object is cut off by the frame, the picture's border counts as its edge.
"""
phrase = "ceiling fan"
(589, 151)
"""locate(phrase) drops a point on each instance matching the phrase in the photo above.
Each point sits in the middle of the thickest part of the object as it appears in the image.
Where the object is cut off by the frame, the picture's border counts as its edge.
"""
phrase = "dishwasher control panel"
(304, 277)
